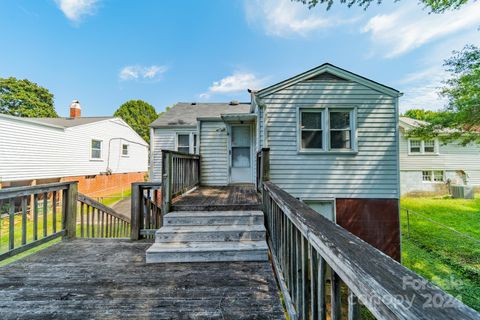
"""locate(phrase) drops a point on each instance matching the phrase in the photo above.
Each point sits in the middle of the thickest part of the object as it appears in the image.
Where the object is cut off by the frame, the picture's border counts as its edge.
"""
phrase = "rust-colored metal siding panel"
(376, 221)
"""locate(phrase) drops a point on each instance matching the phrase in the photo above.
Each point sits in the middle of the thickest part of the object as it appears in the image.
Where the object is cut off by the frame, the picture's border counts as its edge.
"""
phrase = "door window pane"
(312, 139)
(241, 136)
(241, 157)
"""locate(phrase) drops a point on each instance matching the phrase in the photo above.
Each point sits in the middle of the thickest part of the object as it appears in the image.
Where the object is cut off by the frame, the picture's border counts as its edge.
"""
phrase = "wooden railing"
(180, 173)
(263, 167)
(146, 210)
(311, 254)
(31, 216)
(96, 220)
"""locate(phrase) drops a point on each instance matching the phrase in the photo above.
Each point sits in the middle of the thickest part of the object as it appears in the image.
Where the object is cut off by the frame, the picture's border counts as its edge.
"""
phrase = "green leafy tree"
(23, 98)
(138, 114)
(461, 118)
(435, 6)
(424, 115)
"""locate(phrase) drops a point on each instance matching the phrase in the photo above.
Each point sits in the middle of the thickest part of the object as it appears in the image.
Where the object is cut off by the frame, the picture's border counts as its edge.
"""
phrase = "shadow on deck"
(219, 199)
(108, 279)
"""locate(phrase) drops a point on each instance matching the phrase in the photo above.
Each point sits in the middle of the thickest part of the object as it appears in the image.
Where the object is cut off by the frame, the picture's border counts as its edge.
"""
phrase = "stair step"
(189, 218)
(208, 251)
(210, 233)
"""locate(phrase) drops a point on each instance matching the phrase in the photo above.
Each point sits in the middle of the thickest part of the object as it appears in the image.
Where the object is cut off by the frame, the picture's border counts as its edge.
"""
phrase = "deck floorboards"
(219, 198)
(109, 279)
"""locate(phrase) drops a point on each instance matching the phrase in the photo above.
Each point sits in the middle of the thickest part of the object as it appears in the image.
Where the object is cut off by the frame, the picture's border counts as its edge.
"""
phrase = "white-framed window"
(326, 129)
(125, 150)
(433, 176)
(183, 143)
(96, 149)
(187, 143)
(325, 207)
(416, 146)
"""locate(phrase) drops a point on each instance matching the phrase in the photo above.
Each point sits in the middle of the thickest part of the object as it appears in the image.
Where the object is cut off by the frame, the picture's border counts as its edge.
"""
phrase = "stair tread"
(211, 228)
(214, 213)
(177, 247)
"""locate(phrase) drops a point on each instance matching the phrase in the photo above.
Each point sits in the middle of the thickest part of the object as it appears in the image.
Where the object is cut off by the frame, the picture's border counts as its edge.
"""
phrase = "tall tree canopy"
(424, 115)
(138, 114)
(23, 98)
(435, 6)
(461, 118)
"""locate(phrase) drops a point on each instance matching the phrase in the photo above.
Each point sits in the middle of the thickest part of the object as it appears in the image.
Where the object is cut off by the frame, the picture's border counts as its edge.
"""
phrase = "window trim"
(101, 150)
(128, 150)
(422, 148)
(326, 129)
(191, 140)
(322, 199)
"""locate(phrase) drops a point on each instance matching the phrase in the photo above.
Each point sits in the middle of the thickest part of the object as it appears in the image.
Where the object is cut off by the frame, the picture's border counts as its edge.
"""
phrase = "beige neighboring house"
(426, 166)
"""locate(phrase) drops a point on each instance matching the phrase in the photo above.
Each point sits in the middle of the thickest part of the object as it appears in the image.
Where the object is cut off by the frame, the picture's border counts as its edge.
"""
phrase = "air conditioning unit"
(463, 192)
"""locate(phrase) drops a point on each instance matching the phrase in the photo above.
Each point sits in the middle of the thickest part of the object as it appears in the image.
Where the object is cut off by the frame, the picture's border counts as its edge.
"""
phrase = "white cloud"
(410, 27)
(235, 83)
(284, 18)
(137, 72)
(75, 10)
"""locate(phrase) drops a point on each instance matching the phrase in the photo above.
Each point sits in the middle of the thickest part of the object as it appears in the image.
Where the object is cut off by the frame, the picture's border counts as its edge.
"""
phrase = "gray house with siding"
(332, 137)
(427, 165)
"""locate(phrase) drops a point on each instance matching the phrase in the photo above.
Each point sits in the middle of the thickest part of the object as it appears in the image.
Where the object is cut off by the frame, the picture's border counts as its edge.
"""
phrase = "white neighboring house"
(426, 166)
(103, 153)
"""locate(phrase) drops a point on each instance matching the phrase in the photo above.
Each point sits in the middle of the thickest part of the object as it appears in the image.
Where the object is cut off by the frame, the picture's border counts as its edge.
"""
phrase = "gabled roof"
(185, 114)
(70, 122)
(410, 123)
(333, 73)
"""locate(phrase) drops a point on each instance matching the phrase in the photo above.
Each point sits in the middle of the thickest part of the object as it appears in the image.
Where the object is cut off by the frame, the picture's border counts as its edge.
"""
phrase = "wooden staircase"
(210, 236)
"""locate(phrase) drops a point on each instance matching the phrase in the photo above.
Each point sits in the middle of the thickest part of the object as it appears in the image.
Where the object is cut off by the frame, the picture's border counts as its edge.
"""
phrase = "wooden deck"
(108, 279)
(219, 199)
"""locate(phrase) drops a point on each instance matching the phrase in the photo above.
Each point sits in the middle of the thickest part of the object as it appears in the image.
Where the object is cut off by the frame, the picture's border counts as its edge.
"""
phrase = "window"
(427, 176)
(325, 207)
(340, 130)
(326, 129)
(438, 176)
(96, 149)
(429, 146)
(311, 130)
(422, 147)
(183, 143)
(433, 176)
(415, 146)
(124, 150)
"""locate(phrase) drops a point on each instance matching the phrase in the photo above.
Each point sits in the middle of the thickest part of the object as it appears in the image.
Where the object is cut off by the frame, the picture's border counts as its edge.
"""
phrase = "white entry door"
(240, 154)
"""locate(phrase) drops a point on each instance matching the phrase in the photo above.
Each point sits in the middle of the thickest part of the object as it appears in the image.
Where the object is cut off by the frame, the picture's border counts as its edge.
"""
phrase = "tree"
(424, 115)
(461, 118)
(435, 6)
(138, 114)
(23, 98)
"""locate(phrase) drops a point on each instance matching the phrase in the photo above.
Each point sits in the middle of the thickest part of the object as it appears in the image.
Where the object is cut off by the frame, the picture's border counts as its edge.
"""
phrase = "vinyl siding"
(370, 173)
(31, 151)
(163, 139)
(214, 154)
(451, 157)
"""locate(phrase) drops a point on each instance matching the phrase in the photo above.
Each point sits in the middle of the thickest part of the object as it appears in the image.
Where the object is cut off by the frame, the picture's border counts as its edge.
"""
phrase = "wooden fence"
(180, 173)
(146, 211)
(99, 221)
(311, 253)
(31, 216)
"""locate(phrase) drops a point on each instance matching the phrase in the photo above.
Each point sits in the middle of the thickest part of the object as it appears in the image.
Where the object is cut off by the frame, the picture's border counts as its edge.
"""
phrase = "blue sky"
(105, 52)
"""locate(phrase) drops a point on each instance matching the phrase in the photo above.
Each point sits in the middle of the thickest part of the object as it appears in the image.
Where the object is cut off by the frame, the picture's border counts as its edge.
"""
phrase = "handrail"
(303, 243)
(146, 212)
(180, 173)
(51, 209)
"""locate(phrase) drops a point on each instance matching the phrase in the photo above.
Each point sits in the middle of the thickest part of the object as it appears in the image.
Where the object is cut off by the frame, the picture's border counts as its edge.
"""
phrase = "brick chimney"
(75, 109)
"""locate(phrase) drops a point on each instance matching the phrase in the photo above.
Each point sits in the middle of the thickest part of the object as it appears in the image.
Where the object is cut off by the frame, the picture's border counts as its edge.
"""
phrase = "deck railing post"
(265, 164)
(136, 214)
(71, 211)
(167, 181)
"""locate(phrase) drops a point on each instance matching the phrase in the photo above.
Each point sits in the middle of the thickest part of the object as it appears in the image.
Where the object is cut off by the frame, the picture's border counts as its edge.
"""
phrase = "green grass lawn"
(113, 198)
(440, 254)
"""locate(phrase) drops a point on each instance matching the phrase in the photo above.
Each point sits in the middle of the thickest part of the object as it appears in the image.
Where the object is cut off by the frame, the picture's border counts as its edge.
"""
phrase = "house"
(427, 165)
(333, 143)
(103, 153)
